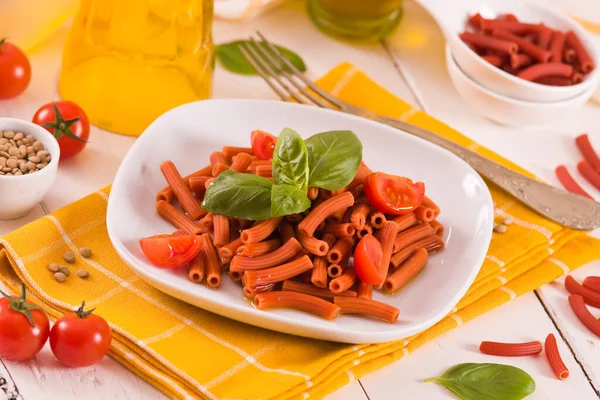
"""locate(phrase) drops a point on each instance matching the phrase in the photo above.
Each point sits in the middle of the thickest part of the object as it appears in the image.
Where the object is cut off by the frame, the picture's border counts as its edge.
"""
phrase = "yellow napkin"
(189, 353)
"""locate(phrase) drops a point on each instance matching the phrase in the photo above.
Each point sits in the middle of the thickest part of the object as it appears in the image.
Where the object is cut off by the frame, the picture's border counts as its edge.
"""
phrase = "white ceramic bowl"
(197, 129)
(452, 17)
(508, 111)
(19, 194)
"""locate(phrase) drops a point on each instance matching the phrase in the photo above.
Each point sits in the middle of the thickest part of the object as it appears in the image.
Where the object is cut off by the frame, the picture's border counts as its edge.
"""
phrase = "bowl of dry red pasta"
(300, 220)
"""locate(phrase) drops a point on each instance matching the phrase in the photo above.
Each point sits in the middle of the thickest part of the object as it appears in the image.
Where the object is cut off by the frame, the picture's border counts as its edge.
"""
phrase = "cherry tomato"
(15, 70)
(80, 339)
(367, 258)
(68, 123)
(393, 194)
(169, 251)
(24, 328)
(263, 144)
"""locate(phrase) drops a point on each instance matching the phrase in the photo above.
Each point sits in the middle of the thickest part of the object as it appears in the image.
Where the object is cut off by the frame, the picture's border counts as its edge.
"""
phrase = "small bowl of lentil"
(29, 157)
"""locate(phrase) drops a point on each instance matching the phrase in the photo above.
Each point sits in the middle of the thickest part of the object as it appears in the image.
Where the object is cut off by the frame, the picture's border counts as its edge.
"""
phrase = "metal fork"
(290, 84)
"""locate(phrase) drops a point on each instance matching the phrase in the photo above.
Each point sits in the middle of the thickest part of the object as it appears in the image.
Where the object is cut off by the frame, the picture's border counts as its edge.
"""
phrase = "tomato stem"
(2, 41)
(61, 126)
(81, 313)
(20, 304)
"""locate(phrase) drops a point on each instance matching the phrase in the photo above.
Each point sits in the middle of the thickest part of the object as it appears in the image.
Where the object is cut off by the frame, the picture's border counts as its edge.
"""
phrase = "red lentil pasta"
(301, 261)
(531, 51)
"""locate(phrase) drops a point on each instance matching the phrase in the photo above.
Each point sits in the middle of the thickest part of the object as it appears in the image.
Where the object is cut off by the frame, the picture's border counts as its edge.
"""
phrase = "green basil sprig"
(327, 160)
(334, 158)
(232, 59)
(472, 381)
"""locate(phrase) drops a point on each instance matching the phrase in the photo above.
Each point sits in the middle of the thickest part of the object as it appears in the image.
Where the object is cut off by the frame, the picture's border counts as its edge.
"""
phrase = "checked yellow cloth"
(187, 352)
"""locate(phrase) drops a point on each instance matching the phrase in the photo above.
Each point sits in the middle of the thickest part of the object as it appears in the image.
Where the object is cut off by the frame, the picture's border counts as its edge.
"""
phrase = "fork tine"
(299, 74)
(266, 68)
(275, 88)
(282, 70)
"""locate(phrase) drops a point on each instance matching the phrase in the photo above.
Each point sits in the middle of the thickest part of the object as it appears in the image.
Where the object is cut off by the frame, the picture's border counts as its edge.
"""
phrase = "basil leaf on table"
(472, 381)
(333, 159)
(238, 195)
(288, 199)
(232, 59)
(290, 160)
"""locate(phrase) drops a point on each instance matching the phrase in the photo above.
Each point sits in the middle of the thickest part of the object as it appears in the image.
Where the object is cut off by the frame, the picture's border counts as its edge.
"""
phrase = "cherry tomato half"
(170, 251)
(263, 144)
(24, 328)
(367, 257)
(15, 70)
(393, 194)
(80, 339)
(68, 123)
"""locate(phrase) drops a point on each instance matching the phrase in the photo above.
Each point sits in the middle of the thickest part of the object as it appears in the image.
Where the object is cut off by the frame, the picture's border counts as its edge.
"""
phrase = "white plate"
(188, 134)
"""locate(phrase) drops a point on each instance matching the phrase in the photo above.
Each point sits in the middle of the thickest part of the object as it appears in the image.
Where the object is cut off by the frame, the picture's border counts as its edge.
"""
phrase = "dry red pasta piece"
(167, 195)
(568, 182)
(557, 43)
(359, 215)
(425, 213)
(221, 230)
(260, 231)
(181, 190)
(264, 170)
(432, 244)
(365, 230)
(227, 251)
(286, 231)
(336, 217)
(438, 229)
(377, 219)
(526, 47)
(312, 193)
(254, 278)
(179, 232)
(518, 60)
(585, 316)
(197, 185)
(277, 257)
(241, 162)
(341, 249)
(589, 173)
(217, 169)
(387, 237)
(591, 297)
(494, 59)
(509, 26)
(569, 55)
(319, 271)
(340, 230)
(250, 292)
(554, 81)
(258, 249)
(481, 41)
(297, 301)
(360, 305)
(407, 271)
(544, 37)
(208, 182)
(207, 221)
(335, 271)
(256, 163)
(406, 221)
(552, 354)
(235, 275)
(547, 69)
(197, 268)
(213, 267)
(511, 349)
(177, 218)
(365, 290)
(312, 244)
(412, 235)
(511, 17)
(217, 158)
(231, 151)
(325, 209)
(577, 78)
(587, 151)
(306, 288)
(344, 281)
(585, 60)
(592, 283)
(475, 20)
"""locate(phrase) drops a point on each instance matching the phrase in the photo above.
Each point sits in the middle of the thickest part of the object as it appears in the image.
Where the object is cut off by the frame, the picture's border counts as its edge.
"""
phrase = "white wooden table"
(411, 65)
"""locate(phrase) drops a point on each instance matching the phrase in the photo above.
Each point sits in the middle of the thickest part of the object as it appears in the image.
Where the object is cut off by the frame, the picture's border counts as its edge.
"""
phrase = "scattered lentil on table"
(500, 228)
(85, 252)
(53, 267)
(83, 273)
(21, 154)
(69, 257)
(64, 270)
(60, 277)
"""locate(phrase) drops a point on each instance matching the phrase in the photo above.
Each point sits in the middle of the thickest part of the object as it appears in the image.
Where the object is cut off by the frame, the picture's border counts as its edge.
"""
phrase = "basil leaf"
(333, 159)
(230, 57)
(288, 199)
(238, 195)
(290, 160)
(472, 381)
